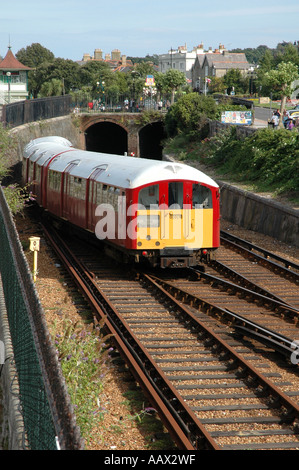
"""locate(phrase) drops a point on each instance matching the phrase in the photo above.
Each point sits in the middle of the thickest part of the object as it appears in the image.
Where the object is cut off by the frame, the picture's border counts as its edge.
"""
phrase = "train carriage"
(162, 212)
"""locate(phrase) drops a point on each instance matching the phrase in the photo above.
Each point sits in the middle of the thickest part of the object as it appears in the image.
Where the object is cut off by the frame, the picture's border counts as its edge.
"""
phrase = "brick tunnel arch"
(106, 137)
(150, 140)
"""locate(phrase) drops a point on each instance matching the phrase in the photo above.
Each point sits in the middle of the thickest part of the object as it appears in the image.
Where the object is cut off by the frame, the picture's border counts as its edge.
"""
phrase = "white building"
(180, 59)
(13, 79)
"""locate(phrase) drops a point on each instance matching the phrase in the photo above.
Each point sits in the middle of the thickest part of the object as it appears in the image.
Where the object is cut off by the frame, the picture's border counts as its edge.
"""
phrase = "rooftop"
(11, 63)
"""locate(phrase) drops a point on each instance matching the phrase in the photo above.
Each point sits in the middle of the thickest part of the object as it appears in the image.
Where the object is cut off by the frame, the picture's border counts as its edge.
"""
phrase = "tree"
(189, 113)
(173, 80)
(233, 79)
(64, 70)
(281, 79)
(288, 54)
(34, 55)
(96, 75)
(53, 87)
(217, 85)
(266, 64)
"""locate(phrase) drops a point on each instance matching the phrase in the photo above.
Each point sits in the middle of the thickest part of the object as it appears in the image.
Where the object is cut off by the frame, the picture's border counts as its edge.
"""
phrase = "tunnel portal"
(124, 136)
(150, 141)
(106, 137)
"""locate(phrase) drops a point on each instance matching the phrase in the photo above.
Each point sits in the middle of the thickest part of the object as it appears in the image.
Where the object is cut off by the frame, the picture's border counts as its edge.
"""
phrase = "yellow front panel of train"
(159, 229)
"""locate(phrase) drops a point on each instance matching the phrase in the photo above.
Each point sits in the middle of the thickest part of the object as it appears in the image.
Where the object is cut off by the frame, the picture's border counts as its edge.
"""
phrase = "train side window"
(175, 194)
(31, 171)
(105, 194)
(149, 196)
(98, 196)
(79, 188)
(111, 195)
(38, 172)
(54, 180)
(201, 197)
(116, 196)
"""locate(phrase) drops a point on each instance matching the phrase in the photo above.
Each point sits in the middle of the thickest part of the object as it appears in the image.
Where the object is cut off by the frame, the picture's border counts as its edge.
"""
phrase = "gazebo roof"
(11, 63)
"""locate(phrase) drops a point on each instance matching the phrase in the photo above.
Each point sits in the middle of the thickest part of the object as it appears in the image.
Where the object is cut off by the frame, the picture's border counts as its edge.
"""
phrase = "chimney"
(98, 54)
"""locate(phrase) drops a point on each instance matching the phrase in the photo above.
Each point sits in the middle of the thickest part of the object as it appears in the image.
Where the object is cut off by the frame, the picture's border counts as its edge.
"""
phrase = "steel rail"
(270, 301)
(237, 362)
(266, 253)
(242, 280)
(247, 247)
(271, 338)
(181, 422)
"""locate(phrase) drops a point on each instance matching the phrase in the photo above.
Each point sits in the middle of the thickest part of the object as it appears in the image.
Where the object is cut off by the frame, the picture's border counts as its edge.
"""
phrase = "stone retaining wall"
(257, 213)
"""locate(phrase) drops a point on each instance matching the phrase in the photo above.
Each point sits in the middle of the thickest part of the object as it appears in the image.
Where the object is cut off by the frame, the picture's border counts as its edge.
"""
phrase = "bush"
(189, 114)
(272, 158)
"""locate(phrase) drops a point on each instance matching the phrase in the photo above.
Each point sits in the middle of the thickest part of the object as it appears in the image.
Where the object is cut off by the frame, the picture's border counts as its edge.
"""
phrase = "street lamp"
(8, 74)
(102, 84)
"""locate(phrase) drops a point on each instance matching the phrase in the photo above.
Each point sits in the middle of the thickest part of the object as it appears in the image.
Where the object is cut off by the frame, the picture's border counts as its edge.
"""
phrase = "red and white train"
(165, 213)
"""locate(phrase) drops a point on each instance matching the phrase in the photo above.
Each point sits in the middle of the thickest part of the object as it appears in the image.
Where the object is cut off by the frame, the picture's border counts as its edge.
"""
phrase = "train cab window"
(175, 195)
(149, 196)
(201, 197)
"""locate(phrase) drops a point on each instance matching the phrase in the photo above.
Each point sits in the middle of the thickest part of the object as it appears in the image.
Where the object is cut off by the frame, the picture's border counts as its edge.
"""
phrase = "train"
(165, 214)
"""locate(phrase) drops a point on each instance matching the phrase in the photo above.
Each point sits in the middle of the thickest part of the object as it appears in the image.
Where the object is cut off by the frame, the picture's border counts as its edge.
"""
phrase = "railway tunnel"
(106, 137)
(113, 138)
(150, 141)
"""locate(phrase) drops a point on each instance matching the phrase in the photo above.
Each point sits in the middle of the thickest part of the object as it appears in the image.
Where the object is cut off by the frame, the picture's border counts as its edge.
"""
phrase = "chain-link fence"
(47, 413)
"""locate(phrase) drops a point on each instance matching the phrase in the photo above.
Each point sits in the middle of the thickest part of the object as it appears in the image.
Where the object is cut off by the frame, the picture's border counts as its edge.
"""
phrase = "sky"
(70, 28)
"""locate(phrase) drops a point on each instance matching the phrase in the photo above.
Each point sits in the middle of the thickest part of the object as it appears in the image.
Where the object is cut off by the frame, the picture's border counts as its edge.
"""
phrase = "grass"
(84, 357)
(182, 147)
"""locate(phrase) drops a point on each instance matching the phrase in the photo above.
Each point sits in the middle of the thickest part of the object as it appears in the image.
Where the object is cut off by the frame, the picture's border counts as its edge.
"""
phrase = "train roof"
(117, 170)
(45, 143)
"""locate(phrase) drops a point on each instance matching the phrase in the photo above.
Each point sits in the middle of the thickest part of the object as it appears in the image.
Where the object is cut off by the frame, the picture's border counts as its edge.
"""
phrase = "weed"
(84, 358)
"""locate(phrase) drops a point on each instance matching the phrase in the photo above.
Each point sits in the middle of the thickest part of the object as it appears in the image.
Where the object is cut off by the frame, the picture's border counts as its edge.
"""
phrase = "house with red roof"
(13, 79)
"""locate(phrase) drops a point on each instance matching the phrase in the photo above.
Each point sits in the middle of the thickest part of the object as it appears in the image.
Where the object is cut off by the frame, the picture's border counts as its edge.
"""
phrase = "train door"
(94, 189)
(172, 220)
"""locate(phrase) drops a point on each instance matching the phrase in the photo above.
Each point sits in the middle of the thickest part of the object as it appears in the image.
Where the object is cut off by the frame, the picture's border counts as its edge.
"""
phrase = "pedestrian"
(275, 120)
(285, 118)
(290, 124)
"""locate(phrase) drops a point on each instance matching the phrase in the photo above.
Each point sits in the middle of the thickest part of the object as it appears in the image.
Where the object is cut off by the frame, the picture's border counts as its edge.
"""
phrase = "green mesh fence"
(49, 423)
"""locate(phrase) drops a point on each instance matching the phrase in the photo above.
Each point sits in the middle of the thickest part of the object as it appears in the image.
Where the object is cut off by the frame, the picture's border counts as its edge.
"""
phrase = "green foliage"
(268, 160)
(84, 358)
(15, 196)
(281, 78)
(268, 157)
(34, 55)
(233, 79)
(189, 113)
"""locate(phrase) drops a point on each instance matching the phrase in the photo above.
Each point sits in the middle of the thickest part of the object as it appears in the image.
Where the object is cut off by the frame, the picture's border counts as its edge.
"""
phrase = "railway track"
(212, 388)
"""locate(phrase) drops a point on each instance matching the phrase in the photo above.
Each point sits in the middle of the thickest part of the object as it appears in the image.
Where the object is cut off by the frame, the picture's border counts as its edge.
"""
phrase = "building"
(179, 59)
(13, 79)
(199, 64)
(216, 64)
(115, 60)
